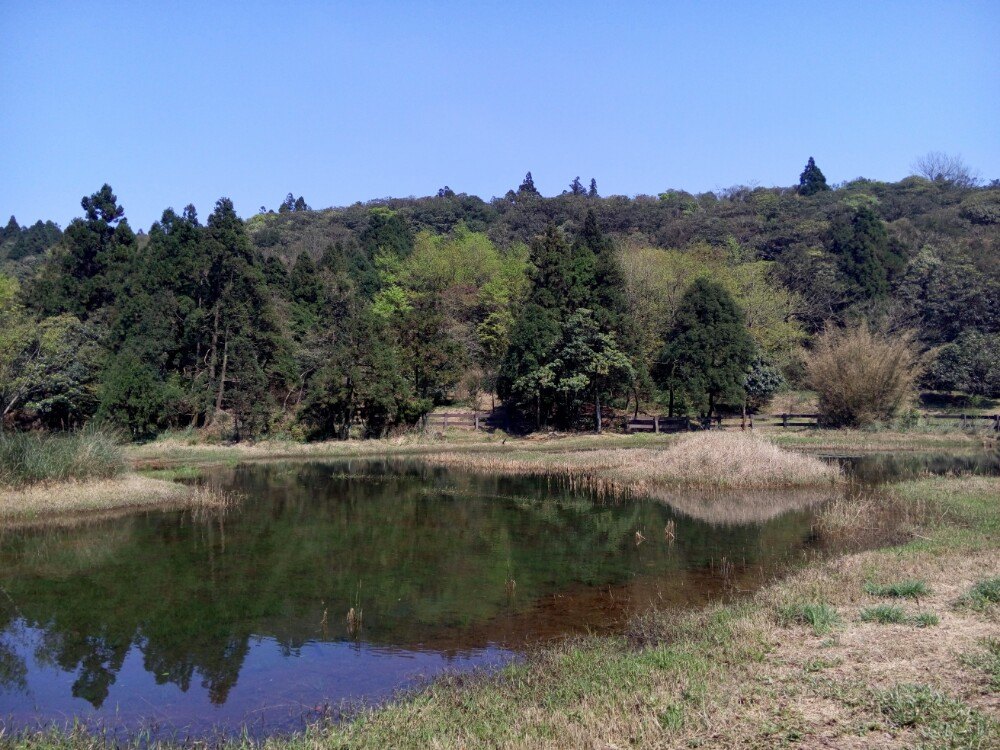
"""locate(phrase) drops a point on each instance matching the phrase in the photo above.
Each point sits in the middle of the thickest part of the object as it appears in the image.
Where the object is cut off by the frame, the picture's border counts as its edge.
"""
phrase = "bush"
(30, 457)
(862, 377)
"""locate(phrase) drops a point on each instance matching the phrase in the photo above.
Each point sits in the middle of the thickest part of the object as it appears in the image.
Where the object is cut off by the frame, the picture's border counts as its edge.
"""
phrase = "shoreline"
(80, 501)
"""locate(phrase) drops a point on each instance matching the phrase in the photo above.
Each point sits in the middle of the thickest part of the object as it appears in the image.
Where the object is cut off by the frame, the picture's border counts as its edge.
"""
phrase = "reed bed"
(711, 460)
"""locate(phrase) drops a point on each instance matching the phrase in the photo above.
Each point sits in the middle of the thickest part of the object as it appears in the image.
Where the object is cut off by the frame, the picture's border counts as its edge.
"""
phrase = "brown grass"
(94, 498)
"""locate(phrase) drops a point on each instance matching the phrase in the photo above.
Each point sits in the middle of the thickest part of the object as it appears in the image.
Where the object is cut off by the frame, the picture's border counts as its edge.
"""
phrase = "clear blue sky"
(174, 102)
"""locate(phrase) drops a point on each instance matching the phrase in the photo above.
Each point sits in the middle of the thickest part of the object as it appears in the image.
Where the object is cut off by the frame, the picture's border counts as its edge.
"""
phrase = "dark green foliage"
(576, 187)
(386, 231)
(527, 186)
(134, 397)
(860, 242)
(592, 192)
(709, 350)
(970, 364)
(86, 273)
(812, 181)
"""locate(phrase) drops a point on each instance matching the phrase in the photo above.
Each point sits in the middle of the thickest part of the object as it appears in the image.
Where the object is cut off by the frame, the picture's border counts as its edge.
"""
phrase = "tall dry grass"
(861, 376)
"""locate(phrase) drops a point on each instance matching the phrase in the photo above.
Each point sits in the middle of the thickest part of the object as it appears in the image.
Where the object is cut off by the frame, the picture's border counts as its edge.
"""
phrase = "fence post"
(784, 420)
(656, 424)
(477, 419)
(445, 422)
(996, 422)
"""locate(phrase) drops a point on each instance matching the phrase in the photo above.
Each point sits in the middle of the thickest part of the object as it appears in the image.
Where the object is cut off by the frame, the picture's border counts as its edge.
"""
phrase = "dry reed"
(41, 502)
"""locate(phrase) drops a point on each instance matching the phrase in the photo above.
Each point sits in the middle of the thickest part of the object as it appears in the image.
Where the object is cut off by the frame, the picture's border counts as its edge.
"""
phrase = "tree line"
(326, 323)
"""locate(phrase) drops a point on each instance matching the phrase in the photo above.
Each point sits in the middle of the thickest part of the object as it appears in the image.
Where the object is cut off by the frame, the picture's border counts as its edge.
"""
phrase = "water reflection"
(196, 622)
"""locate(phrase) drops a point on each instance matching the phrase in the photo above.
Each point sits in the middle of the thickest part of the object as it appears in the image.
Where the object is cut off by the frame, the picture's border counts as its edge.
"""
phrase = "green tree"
(709, 350)
(859, 240)
(812, 181)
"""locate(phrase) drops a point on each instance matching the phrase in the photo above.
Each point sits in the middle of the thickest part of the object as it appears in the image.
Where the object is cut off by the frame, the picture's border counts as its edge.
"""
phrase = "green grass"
(911, 589)
(821, 617)
(926, 620)
(938, 720)
(28, 458)
(987, 660)
(884, 614)
(984, 594)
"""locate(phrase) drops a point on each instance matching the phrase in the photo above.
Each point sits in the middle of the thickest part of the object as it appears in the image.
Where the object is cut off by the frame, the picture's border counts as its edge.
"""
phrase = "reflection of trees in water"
(883, 467)
(418, 548)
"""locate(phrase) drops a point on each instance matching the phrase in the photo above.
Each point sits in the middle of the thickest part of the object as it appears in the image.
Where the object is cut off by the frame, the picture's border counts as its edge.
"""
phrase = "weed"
(909, 589)
(926, 620)
(984, 594)
(987, 660)
(938, 720)
(884, 614)
(822, 617)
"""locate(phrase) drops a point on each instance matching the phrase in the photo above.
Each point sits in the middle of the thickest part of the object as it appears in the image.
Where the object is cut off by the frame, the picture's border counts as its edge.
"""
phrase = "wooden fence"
(681, 424)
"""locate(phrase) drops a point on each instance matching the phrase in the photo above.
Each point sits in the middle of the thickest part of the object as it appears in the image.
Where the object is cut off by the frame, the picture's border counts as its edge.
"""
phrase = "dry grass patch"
(42, 502)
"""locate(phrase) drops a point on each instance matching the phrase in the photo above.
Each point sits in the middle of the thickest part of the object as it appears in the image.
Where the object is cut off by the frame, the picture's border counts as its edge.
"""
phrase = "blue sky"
(339, 102)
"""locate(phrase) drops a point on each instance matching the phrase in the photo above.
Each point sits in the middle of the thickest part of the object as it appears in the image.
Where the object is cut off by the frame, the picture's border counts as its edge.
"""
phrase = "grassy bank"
(891, 648)
(174, 450)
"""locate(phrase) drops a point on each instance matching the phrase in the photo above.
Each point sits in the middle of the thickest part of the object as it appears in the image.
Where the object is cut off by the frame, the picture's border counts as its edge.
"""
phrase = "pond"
(190, 623)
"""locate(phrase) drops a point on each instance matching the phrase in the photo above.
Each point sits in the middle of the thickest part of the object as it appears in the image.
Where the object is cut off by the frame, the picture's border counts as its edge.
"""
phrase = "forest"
(357, 321)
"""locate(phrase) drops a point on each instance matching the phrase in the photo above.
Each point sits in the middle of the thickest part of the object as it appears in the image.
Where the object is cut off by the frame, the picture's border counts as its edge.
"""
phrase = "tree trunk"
(222, 374)
(597, 409)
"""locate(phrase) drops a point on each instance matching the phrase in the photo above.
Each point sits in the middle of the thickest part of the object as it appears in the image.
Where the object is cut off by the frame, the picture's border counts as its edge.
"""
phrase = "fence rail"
(785, 420)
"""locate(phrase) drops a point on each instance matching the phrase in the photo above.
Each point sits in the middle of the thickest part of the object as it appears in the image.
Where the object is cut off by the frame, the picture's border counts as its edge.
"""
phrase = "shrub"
(862, 377)
(30, 457)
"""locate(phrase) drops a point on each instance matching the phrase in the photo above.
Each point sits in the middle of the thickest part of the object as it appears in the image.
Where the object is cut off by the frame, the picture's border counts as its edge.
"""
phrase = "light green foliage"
(48, 366)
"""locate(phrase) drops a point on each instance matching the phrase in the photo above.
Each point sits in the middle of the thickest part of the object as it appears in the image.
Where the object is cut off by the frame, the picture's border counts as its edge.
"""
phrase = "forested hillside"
(315, 323)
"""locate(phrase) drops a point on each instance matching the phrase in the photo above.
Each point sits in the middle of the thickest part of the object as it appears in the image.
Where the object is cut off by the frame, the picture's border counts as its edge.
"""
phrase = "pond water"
(195, 623)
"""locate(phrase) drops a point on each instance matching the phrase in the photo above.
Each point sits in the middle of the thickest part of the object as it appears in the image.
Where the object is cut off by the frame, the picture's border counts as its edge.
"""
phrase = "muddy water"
(194, 623)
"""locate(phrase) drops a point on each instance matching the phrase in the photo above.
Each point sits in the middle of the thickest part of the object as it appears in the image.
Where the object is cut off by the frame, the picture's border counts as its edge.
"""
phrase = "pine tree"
(528, 186)
(860, 242)
(812, 181)
(576, 187)
(592, 193)
(709, 351)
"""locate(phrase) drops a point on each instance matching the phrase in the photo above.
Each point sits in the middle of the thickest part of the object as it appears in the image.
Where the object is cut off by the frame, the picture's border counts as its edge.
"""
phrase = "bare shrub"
(862, 377)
